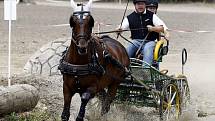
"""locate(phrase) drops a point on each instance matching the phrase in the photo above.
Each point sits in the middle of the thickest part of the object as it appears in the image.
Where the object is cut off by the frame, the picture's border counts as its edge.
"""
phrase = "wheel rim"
(185, 94)
(170, 103)
(184, 91)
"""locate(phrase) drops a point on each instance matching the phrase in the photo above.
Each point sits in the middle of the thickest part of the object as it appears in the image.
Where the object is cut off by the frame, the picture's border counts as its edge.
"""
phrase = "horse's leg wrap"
(65, 114)
(85, 97)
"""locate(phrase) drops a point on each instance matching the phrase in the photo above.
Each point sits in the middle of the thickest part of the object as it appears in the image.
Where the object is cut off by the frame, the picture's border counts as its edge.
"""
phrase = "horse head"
(82, 23)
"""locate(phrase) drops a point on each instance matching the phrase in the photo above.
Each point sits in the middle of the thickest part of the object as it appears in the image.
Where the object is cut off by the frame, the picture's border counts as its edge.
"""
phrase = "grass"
(35, 115)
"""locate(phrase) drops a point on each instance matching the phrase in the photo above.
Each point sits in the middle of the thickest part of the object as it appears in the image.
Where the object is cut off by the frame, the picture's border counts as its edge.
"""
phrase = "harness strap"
(68, 68)
(80, 70)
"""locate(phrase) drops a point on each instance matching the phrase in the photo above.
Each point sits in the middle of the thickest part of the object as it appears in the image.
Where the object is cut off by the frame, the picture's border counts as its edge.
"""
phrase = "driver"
(144, 26)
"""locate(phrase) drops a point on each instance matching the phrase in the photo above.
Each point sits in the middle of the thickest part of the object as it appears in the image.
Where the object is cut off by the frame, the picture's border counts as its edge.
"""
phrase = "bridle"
(82, 38)
(81, 35)
(81, 22)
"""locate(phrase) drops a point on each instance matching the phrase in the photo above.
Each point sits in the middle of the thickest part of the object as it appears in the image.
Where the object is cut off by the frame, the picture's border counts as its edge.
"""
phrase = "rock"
(46, 60)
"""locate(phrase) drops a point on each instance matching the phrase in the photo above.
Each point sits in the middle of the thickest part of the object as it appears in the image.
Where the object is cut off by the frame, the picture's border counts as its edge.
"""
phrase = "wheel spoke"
(168, 114)
(181, 84)
(170, 92)
(173, 97)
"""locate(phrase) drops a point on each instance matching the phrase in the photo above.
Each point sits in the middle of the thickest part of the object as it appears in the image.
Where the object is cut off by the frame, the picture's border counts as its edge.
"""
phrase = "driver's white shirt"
(156, 22)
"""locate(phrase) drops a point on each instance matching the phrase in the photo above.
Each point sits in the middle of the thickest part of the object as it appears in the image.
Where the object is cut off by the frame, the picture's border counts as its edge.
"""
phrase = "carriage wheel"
(185, 94)
(184, 91)
(170, 102)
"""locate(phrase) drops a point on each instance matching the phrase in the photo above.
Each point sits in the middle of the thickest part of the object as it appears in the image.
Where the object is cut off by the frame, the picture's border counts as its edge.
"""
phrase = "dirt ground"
(192, 28)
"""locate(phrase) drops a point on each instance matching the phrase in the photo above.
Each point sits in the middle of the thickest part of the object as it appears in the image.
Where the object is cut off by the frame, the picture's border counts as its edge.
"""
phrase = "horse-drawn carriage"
(92, 64)
(147, 86)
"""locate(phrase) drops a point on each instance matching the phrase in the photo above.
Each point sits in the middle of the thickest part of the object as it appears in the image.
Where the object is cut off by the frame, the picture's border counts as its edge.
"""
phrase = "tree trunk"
(18, 98)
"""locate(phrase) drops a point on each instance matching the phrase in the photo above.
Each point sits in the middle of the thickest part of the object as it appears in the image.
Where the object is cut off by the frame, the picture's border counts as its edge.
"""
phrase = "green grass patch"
(35, 115)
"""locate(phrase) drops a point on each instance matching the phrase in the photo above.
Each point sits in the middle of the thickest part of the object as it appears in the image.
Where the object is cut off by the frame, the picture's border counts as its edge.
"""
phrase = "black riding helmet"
(136, 1)
(152, 3)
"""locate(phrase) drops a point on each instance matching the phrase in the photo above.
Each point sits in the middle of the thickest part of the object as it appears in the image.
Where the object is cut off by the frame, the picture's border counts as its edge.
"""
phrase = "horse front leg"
(67, 101)
(85, 97)
(109, 98)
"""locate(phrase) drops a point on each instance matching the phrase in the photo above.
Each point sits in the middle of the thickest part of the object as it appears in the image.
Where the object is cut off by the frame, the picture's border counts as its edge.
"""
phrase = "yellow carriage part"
(157, 49)
(170, 105)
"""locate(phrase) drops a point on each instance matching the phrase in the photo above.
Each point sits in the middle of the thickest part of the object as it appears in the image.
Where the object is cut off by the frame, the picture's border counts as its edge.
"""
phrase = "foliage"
(35, 115)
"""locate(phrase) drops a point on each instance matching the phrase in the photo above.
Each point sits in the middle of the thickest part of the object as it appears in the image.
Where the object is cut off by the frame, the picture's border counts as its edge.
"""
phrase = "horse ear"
(88, 5)
(71, 22)
(91, 23)
(73, 4)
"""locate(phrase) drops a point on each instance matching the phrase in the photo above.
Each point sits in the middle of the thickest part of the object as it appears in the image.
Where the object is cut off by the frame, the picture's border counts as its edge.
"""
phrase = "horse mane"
(106, 38)
(113, 45)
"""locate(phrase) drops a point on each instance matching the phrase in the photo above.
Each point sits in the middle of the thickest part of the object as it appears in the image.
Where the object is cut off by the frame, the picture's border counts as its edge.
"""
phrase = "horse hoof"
(79, 119)
(103, 112)
(64, 118)
(105, 109)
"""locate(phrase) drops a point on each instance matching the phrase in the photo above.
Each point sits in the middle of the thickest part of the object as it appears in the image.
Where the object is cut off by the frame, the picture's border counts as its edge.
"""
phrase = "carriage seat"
(161, 49)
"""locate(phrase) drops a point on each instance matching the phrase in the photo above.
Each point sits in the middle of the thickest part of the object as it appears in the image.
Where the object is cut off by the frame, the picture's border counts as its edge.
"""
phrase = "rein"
(140, 47)
(127, 40)
(118, 31)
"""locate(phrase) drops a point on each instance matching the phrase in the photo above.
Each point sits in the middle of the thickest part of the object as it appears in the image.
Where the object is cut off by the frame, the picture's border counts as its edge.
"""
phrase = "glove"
(150, 28)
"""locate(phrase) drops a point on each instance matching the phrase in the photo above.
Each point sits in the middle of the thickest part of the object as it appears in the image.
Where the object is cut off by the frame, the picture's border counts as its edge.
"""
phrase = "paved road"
(34, 28)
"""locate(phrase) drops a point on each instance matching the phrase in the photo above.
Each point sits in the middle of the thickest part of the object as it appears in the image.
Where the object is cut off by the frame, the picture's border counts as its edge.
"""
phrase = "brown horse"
(90, 65)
